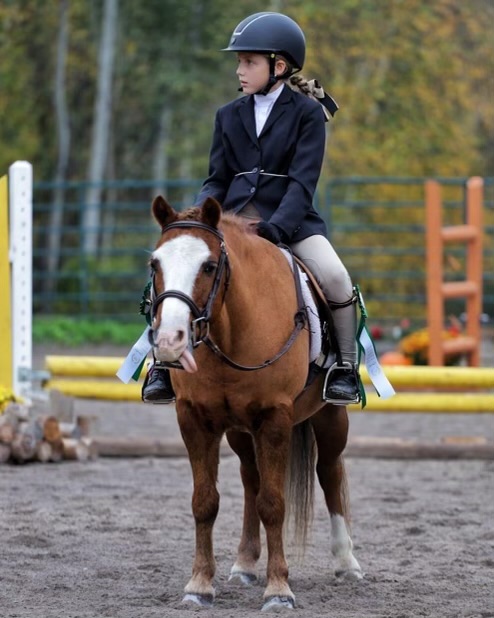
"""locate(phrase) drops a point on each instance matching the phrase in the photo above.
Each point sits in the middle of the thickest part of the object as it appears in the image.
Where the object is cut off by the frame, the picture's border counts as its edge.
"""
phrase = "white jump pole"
(21, 259)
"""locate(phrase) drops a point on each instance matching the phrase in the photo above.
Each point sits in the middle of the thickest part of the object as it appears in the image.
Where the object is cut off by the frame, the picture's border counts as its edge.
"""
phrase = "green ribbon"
(137, 372)
(145, 310)
(145, 304)
(362, 324)
(367, 346)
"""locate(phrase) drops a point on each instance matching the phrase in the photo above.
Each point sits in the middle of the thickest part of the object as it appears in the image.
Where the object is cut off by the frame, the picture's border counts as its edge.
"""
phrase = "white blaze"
(180, 260)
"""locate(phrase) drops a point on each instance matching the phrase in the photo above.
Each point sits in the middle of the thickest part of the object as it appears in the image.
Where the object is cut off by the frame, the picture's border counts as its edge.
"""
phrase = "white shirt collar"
(265, 100)
(263, 104)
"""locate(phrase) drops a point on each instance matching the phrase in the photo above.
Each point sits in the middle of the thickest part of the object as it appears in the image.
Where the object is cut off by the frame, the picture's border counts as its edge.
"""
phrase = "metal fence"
(375, 224)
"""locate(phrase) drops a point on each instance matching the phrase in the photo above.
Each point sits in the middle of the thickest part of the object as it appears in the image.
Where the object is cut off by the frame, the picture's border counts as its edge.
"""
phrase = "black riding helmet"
(271, 33)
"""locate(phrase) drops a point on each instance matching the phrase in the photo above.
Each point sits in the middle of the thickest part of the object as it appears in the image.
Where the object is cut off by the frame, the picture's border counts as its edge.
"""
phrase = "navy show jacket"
(278, 171)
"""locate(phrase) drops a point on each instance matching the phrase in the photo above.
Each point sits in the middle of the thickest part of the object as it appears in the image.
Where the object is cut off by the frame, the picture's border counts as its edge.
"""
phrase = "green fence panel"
(375, 224)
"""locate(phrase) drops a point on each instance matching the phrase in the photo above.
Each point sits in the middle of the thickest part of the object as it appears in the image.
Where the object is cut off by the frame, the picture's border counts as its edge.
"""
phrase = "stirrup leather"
(342, 365)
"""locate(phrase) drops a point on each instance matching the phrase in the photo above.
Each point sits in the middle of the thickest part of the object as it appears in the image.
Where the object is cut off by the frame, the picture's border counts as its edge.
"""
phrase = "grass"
(72, 332)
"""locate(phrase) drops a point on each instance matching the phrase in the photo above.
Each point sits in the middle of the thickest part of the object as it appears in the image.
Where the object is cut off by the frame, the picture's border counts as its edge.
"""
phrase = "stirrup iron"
(344, 402)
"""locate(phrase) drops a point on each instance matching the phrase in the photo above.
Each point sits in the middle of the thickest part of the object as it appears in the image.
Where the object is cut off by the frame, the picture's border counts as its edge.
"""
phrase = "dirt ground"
(114, 537)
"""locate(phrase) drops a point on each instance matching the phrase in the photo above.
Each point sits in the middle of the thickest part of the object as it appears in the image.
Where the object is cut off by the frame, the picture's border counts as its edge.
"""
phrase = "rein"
(200, 325)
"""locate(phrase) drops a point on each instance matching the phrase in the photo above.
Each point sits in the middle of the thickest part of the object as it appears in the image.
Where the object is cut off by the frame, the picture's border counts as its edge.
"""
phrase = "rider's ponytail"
(315, 91)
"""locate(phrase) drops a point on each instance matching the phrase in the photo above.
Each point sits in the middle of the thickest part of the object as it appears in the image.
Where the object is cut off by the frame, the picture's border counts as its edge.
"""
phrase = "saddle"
(323, 345)
(317, 294)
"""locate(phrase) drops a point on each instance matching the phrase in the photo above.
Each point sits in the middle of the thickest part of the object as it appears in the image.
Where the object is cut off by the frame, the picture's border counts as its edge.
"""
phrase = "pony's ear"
(162, 211)
(211, 212)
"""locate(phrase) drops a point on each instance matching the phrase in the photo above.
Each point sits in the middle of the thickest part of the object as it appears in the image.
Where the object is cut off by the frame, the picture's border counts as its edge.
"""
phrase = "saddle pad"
(314, 324)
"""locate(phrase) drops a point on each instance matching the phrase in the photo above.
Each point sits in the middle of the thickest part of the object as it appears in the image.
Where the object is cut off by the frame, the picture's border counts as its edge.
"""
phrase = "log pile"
(27, 437)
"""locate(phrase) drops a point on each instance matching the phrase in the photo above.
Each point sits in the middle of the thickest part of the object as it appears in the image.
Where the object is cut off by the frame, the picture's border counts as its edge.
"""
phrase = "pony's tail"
(299, 487)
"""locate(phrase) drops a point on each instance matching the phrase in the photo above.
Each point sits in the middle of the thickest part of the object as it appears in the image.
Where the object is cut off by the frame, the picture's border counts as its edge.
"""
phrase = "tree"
(101, 127)
(414, 82)
(63, 134)
(405, 76)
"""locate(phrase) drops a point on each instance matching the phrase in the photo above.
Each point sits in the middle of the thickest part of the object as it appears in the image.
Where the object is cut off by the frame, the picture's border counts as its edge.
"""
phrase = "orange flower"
(416, 345)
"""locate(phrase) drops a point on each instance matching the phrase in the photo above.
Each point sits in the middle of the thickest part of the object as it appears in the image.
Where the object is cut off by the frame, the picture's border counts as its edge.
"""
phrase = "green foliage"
(414, 81)
(98, 284)
(72, 332)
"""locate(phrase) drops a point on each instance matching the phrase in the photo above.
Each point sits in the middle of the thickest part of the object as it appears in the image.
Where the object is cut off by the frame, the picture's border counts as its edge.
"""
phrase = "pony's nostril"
(180, 336)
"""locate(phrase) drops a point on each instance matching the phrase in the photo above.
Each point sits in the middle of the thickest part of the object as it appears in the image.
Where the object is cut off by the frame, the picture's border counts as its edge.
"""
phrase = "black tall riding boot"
(342, 383)
(157, 387)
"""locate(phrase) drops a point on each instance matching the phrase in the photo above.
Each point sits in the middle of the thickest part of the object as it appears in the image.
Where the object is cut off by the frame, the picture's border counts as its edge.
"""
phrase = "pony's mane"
(228, 220)
(239, 223)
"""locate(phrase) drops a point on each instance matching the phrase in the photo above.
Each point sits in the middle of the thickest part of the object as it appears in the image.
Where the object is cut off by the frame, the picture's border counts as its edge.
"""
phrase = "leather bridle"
(200, 323)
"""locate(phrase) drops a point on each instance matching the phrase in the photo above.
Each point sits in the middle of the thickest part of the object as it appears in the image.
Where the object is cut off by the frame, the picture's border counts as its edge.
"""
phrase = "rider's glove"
(270, 232)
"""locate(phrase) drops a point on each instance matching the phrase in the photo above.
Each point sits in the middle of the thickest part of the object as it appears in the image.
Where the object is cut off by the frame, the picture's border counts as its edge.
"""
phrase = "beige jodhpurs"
(317, 253)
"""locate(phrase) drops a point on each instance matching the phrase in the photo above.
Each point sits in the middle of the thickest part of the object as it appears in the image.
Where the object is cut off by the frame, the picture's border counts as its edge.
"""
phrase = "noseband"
(200, 323)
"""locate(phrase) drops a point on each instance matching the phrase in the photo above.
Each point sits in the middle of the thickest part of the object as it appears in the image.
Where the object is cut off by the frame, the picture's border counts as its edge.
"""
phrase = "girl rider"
(265, 161)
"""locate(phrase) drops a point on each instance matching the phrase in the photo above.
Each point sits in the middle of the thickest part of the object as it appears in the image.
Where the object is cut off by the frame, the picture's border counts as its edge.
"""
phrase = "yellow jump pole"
(422, 377)
(401, 377)
(96, 389)
(83, 366)
(458, 403)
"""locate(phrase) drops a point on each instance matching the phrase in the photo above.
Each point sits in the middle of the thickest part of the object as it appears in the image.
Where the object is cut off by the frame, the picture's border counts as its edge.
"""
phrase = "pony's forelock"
(190, 214)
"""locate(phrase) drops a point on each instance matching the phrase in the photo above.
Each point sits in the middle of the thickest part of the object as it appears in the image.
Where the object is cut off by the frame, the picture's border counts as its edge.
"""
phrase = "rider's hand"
(270, 232)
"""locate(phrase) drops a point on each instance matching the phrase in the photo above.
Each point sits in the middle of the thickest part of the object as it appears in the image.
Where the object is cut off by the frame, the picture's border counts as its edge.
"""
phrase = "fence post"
(5, 305)
(438, 291)
(21, 256)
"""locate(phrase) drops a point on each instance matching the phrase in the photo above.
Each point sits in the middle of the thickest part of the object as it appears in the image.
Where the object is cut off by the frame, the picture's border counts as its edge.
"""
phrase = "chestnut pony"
(226, 308)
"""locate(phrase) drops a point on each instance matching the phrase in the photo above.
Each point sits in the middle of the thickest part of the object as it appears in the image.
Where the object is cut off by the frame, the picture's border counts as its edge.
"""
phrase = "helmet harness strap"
(272, 77)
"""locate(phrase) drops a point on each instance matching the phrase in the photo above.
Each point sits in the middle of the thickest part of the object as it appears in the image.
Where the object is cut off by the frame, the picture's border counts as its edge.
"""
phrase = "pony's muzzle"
(171, 343)
(171, 346)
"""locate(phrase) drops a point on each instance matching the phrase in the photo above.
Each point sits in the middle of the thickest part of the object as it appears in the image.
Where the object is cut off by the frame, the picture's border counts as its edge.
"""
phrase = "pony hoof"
(203, 600)
(350, 575)
(246, 578)
(277, 603)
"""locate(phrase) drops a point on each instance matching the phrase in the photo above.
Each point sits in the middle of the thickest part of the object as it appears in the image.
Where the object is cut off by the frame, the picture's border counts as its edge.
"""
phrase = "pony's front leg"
(203, 448)
(272, 447)
(249, 548)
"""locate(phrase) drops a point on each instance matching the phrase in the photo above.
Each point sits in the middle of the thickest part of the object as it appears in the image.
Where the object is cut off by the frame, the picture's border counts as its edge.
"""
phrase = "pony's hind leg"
(330, 426)
(203, 449)
(249, 548)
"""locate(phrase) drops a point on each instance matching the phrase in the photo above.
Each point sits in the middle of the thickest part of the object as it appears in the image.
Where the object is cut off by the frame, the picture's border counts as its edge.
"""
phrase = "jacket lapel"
(278, 110)
(246, 112)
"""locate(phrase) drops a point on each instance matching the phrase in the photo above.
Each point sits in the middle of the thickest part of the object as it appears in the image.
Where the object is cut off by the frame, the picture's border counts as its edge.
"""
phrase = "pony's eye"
(209, 267)
(153, 263)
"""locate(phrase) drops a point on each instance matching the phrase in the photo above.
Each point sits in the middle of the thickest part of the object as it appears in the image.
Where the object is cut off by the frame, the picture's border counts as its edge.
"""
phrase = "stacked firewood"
(27, 437)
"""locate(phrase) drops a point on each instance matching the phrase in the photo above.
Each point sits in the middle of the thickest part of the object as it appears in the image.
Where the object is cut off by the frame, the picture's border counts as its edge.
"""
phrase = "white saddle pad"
(314, 324)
